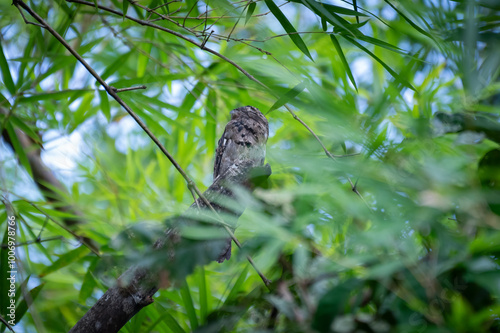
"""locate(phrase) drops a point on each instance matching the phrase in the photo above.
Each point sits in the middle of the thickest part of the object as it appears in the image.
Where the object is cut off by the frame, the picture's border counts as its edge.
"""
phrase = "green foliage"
(411, 87)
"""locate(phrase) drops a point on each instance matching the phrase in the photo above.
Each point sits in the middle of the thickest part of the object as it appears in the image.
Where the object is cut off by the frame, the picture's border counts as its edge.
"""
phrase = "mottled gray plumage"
(244, 140)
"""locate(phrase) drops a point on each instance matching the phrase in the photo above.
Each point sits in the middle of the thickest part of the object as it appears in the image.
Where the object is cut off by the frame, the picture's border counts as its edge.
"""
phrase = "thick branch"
(178, 254)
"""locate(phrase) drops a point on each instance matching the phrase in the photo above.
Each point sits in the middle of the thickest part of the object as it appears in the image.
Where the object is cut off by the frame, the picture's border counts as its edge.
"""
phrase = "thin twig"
(35, 241)
(128, 89)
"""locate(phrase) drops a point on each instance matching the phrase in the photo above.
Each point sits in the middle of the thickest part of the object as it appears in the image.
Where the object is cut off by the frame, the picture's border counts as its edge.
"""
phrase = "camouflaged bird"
(244, 141)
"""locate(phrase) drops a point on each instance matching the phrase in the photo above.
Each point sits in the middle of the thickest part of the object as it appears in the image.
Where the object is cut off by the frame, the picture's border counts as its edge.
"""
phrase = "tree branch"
(113, 93)
(179, 256)
(202, 46)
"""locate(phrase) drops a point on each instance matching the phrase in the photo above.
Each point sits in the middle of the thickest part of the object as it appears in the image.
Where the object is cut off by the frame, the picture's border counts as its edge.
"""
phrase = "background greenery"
(391, 81)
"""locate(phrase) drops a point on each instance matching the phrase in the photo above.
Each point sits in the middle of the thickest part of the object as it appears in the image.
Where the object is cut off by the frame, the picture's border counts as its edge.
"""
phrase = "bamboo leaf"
(66, 259)
(143, 57)
(188, 306)
(389, 69)
(31, 296)
(237, 285)
(172, 324)
(6, 76)
(250, 10)
(116, 64)
(336, 44)
(18, 148)
(202, 286)
(89, 283)
(25, 128)
(320, 10)
(105, 108)
(292, 33)
(410, 22)
(292, 93)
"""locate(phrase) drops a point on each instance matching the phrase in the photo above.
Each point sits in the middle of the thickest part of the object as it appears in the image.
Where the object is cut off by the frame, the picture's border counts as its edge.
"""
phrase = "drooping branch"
(179, 255)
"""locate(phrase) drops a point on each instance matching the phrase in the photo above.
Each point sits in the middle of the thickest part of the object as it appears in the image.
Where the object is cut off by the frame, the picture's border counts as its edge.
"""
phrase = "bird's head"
(248, 111)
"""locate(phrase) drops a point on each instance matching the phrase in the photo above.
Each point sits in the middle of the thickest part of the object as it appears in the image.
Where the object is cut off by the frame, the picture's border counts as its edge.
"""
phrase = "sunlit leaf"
(285, 23)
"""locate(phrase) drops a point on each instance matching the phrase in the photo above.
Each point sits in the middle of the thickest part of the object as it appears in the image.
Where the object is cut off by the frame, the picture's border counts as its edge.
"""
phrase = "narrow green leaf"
(237, 285)
(415, 26)
(143, 57)
(4, 102)
(321, 10)
(125, 4)
(330, 8)
(292, 33)
(6, 77)
(27, 51)
(389, 69)
(344, 148)
(211, 125)
(342, 10)
(22, 286)
(335, 43)
(25, 128)
(324, 24)
(202, 286)
(188, 306)
(105, 108)
(89, 283)
(292, 93)
(31, 296)
(66, 259)
(250, 10)
(18, 147)
(190, 98)
(172, 324)
(381, 43)
(116, 64)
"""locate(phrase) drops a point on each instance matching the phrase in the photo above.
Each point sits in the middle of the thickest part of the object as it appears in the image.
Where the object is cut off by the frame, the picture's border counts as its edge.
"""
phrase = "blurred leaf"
(65, 260)
(105, 108)
(89, 283)
(250, 11)
(18, 148)
(289, 95)
(188, 305)
(203, 294)
(389, 69)
(333, 303)
(6, 76)
(30, 297)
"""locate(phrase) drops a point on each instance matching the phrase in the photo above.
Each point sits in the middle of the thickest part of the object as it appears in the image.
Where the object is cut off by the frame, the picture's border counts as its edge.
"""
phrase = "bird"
(243, 142)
